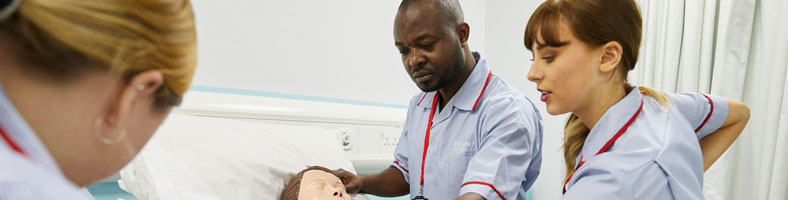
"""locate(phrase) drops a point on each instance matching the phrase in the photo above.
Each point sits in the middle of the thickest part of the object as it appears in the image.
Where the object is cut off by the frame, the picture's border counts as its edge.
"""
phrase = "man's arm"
(388, 183)
(720, 140)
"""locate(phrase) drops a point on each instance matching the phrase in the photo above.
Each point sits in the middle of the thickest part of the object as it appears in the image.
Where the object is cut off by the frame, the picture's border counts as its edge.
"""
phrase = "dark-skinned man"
(484, 137)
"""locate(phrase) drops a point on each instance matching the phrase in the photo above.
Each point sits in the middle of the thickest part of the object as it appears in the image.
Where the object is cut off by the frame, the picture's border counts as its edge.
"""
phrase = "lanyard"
(429, 127)
(427, 141)
(11, 142)
(608, 144)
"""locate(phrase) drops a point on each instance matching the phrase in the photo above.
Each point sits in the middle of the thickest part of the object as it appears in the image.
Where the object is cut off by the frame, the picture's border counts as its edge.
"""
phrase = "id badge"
(420, 198)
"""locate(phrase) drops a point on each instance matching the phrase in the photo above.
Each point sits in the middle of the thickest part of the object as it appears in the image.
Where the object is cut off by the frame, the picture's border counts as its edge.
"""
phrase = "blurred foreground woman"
(83, 85)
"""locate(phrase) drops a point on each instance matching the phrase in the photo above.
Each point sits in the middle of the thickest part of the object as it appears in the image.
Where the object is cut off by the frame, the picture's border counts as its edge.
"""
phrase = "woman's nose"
(534, 75)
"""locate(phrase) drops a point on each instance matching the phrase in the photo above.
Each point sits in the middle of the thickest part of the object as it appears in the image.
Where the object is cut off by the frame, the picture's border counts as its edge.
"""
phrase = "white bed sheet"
(194, 157)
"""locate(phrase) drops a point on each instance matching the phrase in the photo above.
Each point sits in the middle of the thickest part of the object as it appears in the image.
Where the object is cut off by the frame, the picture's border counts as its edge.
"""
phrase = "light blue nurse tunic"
(486, 140)
(657, 157)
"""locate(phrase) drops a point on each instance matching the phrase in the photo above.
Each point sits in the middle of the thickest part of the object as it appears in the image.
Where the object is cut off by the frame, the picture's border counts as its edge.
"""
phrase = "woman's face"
(566, 75)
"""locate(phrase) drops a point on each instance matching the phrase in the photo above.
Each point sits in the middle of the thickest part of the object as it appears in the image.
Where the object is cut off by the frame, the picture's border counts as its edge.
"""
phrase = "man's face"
(430, 50)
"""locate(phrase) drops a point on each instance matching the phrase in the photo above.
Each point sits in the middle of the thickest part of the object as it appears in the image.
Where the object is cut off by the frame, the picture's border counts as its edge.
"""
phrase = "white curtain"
(733, 48)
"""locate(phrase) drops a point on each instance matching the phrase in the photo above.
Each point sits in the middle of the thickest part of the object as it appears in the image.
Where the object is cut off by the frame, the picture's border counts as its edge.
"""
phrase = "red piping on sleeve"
(400, 166)
(487, 184)
(711, 110)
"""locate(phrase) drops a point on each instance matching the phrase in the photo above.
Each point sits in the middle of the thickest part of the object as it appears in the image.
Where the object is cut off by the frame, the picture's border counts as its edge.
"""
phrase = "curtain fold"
(766, 91)
(733, 48)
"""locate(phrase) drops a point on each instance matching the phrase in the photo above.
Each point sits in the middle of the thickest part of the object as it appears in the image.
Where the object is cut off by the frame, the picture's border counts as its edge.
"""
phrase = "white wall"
(331, 49)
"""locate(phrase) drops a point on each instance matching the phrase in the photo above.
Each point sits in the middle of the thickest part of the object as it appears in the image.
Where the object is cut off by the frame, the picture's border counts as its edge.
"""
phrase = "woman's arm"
(716, 143)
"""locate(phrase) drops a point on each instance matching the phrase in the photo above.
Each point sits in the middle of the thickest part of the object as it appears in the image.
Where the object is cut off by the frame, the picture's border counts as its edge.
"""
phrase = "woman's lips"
(545, 95)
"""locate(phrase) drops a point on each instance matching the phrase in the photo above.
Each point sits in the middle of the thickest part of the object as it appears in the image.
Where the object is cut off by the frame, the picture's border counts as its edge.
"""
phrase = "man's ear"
(142, 86)
(610, 56)
(464, 32)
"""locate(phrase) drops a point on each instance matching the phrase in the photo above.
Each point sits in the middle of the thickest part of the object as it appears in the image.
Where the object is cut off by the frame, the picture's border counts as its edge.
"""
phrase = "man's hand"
(351, 181)
(388, 183)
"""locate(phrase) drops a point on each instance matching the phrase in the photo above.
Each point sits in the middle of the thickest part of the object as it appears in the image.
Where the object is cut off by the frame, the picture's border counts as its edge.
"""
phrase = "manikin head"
(315, 183)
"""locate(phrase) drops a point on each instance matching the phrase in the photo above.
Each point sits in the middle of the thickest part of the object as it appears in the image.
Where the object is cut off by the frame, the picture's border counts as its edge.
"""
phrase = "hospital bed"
(237, 144)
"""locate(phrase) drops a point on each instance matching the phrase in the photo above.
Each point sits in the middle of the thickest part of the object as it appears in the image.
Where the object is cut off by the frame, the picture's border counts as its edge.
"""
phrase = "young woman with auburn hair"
(621, 141)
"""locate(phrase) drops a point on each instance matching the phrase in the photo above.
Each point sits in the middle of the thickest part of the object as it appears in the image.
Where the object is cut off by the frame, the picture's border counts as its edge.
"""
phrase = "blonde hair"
(66, 38)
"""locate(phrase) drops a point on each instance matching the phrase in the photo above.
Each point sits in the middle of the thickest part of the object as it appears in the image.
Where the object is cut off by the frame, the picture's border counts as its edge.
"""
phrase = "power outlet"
(389, 138)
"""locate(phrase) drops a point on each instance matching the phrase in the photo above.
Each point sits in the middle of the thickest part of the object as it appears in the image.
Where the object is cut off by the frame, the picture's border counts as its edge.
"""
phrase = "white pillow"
(192, 157)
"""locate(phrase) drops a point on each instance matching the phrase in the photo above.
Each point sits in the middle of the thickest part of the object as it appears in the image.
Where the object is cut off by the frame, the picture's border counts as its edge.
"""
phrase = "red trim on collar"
(11, 142)
(422, 98)
(711, 103)
(608, 144)
(484, 88)
(621, 131)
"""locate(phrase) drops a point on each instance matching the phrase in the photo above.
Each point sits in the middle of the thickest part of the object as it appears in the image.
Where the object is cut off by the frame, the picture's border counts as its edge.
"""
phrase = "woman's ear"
(610, 56)
(141, 87)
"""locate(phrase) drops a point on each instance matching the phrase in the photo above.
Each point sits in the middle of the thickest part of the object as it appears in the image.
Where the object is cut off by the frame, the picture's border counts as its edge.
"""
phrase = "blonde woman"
(621, 141)
(83, 85)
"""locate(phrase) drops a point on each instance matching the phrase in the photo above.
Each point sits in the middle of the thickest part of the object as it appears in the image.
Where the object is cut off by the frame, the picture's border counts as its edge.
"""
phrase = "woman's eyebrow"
(540, 47)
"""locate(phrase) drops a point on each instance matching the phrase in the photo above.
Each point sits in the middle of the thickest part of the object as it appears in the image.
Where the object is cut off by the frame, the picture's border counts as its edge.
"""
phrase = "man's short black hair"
(449, 10)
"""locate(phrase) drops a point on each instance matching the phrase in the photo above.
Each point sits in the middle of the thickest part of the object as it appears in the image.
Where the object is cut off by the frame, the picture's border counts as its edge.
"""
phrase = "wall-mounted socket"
(389, 138)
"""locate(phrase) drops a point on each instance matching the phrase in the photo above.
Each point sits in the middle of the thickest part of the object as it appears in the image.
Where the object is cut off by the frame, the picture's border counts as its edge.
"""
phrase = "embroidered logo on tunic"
(464, 146)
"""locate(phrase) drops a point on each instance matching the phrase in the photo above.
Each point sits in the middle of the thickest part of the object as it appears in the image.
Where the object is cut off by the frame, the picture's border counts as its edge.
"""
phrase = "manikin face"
(321, 185)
